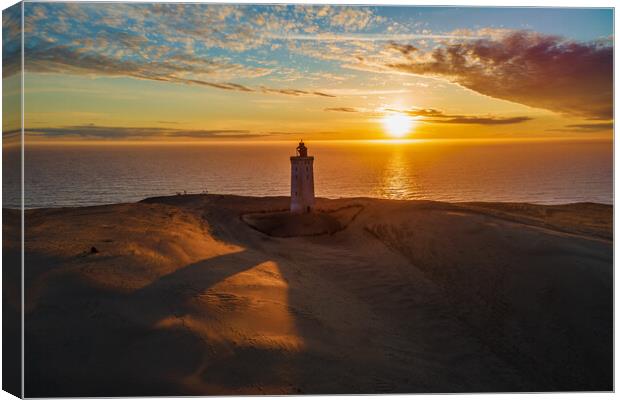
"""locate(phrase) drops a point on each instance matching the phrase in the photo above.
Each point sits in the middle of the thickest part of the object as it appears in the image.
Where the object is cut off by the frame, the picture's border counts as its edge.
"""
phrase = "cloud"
(484, 120)
(323, 94)
(424, 112)
(140, 133)
(223, 86)
(349, 18)
(533, 69)
(97, 132)
(595, 127)
(342, 109)
(170, 42)
(84, 57)
(438, 116)
(64, 59)
(405, 49)
(294, 92)
(360, 37)
(11, 40)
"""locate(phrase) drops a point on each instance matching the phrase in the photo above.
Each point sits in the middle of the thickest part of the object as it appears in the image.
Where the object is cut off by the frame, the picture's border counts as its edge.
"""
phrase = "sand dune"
(183, 297)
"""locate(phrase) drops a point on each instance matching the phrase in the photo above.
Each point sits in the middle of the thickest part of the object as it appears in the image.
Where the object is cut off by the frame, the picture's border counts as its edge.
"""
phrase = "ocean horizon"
(542, 172)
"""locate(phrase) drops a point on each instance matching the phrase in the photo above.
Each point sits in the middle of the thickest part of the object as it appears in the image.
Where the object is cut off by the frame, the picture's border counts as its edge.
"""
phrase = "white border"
(482, 3)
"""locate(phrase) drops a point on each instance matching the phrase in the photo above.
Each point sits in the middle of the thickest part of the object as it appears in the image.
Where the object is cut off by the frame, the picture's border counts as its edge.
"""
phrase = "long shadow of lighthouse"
(302, 181)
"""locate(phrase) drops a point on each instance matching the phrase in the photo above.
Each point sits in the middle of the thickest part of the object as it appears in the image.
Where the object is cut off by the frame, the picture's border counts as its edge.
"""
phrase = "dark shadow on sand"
(79, 341)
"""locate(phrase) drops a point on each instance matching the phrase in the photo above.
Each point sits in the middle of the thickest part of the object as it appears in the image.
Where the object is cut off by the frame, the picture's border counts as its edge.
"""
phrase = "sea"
(544, 172)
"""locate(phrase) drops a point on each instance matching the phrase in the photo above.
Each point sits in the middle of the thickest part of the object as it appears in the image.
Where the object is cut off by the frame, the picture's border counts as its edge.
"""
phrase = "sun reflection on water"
(398, 180)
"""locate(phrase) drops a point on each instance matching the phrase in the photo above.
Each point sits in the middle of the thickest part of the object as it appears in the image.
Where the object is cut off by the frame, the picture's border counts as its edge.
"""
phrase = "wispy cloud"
(438, 116)
(63, 59)
(484, 120)
(99, 132)
(294, 92)
(343, 109)
(138, 133)
(171, 42)
(334, 37)
(11, 40)
(594, 127)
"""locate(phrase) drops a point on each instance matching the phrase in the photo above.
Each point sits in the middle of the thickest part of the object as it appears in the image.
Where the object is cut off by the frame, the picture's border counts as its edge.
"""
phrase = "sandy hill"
(180, 296)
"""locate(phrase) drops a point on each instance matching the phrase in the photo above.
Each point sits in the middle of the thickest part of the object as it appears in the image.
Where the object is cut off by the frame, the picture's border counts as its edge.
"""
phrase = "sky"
(123, 72)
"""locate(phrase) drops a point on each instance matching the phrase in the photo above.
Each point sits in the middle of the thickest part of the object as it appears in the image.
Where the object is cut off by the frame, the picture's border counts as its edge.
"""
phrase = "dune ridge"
(183, 297)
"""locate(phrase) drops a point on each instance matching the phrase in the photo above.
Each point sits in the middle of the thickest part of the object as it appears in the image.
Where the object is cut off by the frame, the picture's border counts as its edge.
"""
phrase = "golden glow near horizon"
(397, 125)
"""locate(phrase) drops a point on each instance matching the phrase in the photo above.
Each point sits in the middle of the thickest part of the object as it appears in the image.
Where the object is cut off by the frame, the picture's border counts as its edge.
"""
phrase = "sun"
(397, 125)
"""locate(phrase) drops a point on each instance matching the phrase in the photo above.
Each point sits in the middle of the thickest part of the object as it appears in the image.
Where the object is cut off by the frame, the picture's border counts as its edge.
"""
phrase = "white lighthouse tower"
(302, 181)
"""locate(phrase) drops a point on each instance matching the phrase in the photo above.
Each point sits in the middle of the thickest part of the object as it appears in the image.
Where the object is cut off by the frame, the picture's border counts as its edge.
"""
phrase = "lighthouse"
(302, 181)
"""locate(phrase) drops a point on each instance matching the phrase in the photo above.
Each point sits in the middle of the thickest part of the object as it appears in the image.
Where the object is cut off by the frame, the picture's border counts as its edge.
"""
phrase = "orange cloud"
(533, 69)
